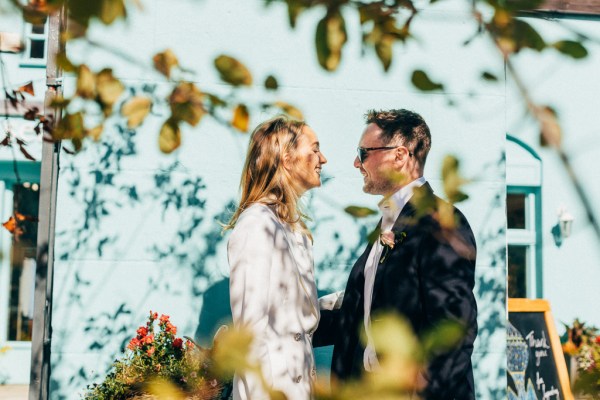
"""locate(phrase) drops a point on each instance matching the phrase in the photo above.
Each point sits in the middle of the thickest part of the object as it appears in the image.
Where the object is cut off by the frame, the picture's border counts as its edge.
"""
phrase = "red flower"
(164, 319)
(148, 339)
(153, 316)
(178, 343)
(142, 331)
(598, 339)
(150, 351)
(133, 343)
(170, 328)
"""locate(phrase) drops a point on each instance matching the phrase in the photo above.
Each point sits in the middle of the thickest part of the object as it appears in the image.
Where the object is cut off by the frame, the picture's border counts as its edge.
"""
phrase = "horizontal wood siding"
(572, 6)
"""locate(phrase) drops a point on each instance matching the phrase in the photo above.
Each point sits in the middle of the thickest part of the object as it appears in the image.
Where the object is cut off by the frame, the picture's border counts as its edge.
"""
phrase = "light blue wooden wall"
(124, 243)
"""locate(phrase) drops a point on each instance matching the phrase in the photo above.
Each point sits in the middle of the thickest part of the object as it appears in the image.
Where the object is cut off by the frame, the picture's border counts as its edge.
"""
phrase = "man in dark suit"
(422, 267)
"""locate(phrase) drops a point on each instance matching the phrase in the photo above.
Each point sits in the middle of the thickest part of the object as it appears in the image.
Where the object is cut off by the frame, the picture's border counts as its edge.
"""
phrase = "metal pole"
(41, 340)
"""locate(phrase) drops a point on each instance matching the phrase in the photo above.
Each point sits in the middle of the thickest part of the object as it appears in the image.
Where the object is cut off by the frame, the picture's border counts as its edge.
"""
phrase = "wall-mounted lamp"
(562, 229)
(565, 222)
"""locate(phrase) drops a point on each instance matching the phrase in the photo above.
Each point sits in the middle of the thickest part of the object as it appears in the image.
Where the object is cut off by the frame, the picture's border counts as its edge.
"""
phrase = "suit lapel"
(405, 222)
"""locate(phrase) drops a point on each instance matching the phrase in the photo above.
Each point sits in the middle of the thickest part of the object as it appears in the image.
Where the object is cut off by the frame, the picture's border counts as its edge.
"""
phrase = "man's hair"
(407, 126)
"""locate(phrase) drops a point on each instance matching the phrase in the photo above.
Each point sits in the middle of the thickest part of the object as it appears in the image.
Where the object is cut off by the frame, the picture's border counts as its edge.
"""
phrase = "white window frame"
(30, 36)
(524, 176)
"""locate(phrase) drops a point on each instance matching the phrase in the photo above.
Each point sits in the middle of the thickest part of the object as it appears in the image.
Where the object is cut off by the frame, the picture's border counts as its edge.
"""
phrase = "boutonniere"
(388, 240)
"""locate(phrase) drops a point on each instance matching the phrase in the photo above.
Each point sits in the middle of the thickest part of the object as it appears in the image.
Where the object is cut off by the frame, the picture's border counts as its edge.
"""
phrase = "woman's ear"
(287, 161)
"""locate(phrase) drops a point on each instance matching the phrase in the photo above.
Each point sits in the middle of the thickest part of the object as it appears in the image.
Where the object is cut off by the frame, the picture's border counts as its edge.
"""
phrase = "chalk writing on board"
(539, 345)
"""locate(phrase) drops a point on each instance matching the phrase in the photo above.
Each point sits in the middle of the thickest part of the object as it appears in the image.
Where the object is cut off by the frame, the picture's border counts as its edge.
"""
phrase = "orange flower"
(150, 351)
(148, 339)
(598, 339)
(170, 328)
(189, 344)
(133, 343)
(164, 319)
(142, 331)
(178, 343)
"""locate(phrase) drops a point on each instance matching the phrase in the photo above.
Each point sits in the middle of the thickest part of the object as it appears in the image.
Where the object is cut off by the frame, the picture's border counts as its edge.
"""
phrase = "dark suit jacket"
(427, 278)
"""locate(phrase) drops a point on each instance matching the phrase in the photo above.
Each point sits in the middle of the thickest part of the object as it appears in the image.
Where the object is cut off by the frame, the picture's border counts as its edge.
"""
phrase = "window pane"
(517, 269)
(22, 274)
(40, 29)
(515, 210)
(36, 49)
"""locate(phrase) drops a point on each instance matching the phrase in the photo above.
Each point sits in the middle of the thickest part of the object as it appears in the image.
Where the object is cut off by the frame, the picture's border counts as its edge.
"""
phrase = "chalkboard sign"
(536, 368)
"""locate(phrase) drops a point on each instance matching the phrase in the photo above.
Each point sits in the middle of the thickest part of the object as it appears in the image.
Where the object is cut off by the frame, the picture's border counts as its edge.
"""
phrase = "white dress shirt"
(390, 208)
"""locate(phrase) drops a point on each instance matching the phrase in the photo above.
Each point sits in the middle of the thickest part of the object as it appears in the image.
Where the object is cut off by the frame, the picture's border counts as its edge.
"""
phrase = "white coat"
(273, 293)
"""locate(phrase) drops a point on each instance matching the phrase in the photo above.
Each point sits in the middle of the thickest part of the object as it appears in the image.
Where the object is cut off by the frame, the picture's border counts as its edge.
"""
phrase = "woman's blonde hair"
(264, 178)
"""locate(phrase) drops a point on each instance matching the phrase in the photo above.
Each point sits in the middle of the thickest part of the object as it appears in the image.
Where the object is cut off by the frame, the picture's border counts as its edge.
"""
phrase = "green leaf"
(271, 83)
(488, 76)
(232, 71)
(571, 48)
(169, 138)
(445, 336)
(359, 212)
(452, 180)
(329, 40)
(525, 36)
(422, 82)
(110, 10)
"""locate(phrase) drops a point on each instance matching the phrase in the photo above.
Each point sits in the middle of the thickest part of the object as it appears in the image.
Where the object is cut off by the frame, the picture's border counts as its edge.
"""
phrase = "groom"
(422, 267)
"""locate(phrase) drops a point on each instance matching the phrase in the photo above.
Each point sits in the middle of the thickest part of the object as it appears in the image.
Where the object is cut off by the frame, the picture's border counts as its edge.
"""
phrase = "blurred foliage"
(582, 342)
(383, 25)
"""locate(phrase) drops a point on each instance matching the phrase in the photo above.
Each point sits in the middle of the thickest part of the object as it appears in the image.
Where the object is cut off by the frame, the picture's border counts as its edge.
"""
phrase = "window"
(35, 45)
(22, 266)
(523, 220)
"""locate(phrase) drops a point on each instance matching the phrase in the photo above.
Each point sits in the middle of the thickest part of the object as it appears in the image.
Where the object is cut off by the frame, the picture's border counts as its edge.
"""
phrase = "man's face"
(381, 169)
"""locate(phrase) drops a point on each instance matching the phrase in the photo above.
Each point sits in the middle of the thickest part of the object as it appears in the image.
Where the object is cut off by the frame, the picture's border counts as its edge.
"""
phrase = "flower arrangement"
(157, 362)
(583, 343)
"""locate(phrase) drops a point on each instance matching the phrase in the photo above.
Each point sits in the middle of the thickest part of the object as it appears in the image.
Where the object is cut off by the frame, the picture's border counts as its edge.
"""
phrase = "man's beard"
(382, 187)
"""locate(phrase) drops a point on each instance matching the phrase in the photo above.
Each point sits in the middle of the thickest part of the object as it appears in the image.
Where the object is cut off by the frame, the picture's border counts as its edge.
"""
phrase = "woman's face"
(306, 161)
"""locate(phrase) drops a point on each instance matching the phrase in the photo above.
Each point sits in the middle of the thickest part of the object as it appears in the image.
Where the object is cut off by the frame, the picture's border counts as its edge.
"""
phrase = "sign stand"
(536, 364)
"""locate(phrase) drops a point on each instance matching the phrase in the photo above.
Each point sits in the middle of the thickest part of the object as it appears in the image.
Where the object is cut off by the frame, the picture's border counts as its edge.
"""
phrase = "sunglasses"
(363, 152)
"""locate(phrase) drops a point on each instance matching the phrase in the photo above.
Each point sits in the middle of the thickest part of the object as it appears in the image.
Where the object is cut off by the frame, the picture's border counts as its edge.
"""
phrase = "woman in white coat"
(272, 285)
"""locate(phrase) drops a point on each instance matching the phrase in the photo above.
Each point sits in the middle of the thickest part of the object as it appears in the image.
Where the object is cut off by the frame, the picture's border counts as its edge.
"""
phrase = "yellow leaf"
(186, 102)
(241, 118)
(232, 71)
(109, 88)
(551, 132)
(289, 110)
(69, 127)
(136, 110)
(165, 390)
(359, 212)
(96, 132)
(230, 352)
(165, 61)
(86, 82)
(169, 138)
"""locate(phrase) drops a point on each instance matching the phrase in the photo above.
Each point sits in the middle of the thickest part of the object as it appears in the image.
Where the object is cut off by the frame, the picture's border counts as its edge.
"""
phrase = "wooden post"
(41, 340)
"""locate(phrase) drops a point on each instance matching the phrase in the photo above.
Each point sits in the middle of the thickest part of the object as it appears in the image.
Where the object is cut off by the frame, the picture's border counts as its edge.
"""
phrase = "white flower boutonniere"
(388, 240)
